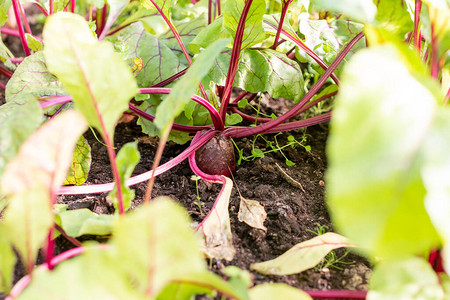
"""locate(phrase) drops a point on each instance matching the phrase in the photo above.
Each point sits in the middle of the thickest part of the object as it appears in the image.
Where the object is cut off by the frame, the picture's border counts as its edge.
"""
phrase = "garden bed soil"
(294, 210)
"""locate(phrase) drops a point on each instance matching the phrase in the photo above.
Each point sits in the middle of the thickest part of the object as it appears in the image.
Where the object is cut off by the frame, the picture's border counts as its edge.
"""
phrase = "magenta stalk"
(234, 60)
(23, 283)
(337, 294)
(284, 9)
(234, 132)
(25, 46)
(180, 42)
(416, 33)
(106, 187)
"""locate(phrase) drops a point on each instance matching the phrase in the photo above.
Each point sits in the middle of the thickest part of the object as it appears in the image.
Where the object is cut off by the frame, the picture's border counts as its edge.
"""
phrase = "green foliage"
(182, 91)
(277, 291)
(127, 159)
(327, 38)
(408, 278)
(4, 7)
(34, 43)
(159, 61)
(7, 262)
(188, 30)
(84, 65)
(32, 177)
(80, 222)
(253, 32)
(374, 177)
(302, 256)
(17, 122)
(358, 10)
(81, 163)
(262, 70)
(32, 77)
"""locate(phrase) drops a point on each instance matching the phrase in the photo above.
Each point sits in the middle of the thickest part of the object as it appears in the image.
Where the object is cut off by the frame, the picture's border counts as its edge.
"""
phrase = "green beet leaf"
(29, 180)
(359, 10)
(188, 30)
(45, 157)
(94, 274)
(204, 282)
(302, 256)
(393, 16)
(34, 43)
(208, 35)
(328, 38)
(374, 188)
(33, 77)
(159, 62)
(27, 221)
(81, 163)
(4, 8)
(99, 81)
(270, 291)
(182, 91)
(127, 159)
(254, 31)
(79, 222)
(408, 278)
(17, 122)
(148, 127)
(263, 70)
(164, 5)
(434, 173)
(7, 262)
(162, 244)
(5, 55)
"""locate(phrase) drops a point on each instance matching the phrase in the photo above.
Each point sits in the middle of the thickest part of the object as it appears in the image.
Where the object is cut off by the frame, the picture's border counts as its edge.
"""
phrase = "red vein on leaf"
(109, 145)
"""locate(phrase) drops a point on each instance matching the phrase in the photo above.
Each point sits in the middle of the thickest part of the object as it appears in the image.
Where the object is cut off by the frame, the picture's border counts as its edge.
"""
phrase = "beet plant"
(174, 66)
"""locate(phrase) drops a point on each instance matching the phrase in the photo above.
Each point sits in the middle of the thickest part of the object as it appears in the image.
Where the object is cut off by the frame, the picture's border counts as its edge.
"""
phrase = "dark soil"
(294, 210)
(293, 213)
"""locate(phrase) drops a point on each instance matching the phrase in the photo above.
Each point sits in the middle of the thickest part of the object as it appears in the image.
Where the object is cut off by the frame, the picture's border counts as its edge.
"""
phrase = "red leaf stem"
(42, 9)
(234, 60)
(2, 86)
(179, 127)
(416, 33)
(180, 42)
(24, 17)
(106, 187)
(447, 97)
(337, 294)
(16, 7)
(24, 281)
(217, 121)
(73, 4)
(13, 32)
(5, 72)
(16, 60)
(284, 9)
(170, 79)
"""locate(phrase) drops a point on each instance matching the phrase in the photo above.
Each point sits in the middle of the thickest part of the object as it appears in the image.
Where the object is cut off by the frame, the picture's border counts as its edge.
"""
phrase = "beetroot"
(216, 157)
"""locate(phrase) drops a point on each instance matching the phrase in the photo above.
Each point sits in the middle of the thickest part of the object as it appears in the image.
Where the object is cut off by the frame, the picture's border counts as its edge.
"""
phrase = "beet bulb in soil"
(216, 157)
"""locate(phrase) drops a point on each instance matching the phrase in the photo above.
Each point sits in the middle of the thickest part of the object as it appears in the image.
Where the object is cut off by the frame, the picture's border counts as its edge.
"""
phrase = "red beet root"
(216, 157)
